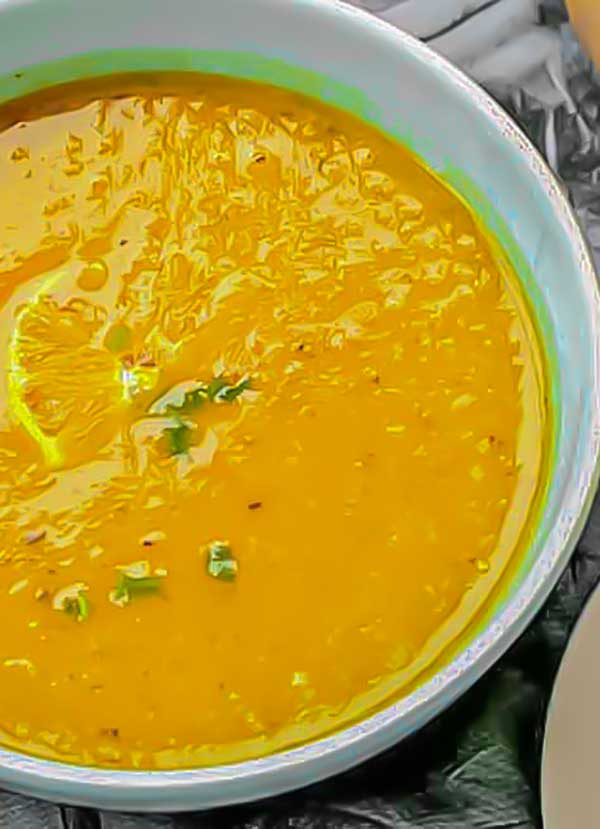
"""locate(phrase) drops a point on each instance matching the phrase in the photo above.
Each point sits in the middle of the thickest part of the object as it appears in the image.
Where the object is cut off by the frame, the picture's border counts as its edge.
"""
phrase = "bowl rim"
(179, 790)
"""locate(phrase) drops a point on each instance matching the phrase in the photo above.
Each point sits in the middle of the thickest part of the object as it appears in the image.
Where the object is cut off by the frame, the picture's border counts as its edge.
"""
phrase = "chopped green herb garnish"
(73, 601)
(215, 387)
(219, 390)
(128, 586)
(78, 607)
(135, 579)
(220, 562)
(192, 401)
(228, 394)
(178, 439)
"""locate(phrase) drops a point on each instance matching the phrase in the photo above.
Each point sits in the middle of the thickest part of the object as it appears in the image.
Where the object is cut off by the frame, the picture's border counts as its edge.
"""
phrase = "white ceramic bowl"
(349, 59)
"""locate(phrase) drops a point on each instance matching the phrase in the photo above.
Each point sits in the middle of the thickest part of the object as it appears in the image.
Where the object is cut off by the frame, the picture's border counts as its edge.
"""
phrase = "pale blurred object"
(503, 44)
(585, 15)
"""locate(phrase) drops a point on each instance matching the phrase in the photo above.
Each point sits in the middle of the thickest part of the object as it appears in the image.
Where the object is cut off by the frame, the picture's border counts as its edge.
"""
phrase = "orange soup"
(272, 421)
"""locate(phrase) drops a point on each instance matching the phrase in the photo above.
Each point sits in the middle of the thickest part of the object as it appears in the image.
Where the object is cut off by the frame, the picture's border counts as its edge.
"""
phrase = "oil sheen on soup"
(271, 421)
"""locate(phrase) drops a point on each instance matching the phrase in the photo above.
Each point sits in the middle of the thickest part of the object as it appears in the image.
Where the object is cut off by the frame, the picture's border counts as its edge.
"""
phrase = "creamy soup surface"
(271, 420)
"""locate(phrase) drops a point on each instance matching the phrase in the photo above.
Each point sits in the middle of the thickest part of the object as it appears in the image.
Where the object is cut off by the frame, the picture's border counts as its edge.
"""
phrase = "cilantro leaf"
(77, 606)
(219, 390)
(192, 401)
(73, 601)
(135, 579)
(179, 439)
(127, 585)
(228, 394)
(215, 387)
(220, 561)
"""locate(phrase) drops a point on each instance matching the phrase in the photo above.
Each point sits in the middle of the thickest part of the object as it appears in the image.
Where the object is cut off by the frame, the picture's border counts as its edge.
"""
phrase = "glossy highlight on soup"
(272, 421)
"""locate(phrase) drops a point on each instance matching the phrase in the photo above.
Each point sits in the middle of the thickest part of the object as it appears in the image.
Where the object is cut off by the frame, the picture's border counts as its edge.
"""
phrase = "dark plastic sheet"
(478, 765)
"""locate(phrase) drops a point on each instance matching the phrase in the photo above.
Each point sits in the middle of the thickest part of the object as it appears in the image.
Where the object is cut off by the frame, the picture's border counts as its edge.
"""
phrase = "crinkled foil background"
(478, 766)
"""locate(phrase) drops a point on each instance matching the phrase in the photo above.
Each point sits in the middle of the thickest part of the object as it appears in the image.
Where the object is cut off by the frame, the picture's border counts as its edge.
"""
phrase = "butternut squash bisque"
(272, 420)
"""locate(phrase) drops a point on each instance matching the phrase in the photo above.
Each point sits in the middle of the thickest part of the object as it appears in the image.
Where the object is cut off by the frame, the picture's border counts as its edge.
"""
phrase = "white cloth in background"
(501, 43)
